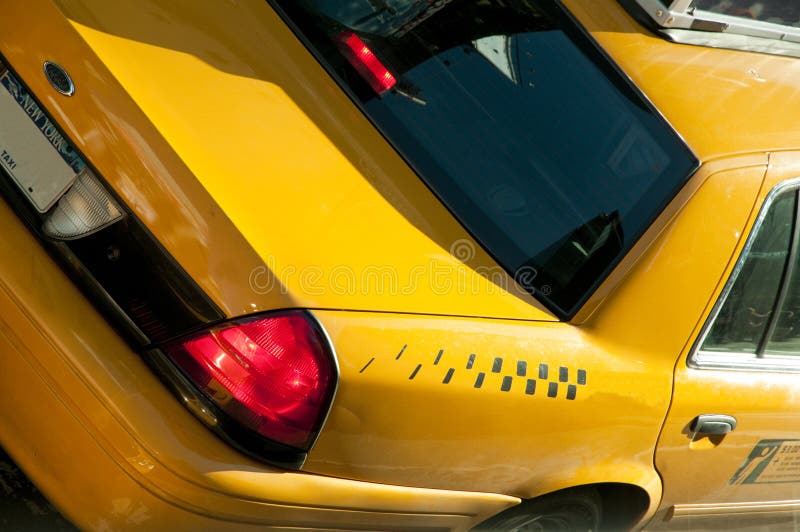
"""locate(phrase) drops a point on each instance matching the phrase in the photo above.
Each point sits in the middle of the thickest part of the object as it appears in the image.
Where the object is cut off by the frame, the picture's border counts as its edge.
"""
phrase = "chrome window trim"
(730, 41)
(733, 360)
(744, 361)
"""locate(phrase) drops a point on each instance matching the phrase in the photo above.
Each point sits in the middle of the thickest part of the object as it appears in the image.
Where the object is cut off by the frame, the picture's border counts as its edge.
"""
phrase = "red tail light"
(274, 375)
(366, 62)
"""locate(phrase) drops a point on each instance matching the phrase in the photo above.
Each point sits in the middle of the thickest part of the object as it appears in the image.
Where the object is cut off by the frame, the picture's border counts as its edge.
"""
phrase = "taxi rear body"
(251, 185)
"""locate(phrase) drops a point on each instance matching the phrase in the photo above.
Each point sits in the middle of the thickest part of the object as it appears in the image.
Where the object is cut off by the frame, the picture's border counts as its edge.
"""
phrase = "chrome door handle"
(713, 424)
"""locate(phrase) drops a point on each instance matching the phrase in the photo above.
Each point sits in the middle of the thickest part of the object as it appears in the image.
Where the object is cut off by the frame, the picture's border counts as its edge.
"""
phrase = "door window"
(757, 320)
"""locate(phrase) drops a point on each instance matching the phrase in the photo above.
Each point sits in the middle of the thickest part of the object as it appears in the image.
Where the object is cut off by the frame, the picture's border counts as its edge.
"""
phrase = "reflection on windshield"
(520, 126)
(387, 18)
(598, 240)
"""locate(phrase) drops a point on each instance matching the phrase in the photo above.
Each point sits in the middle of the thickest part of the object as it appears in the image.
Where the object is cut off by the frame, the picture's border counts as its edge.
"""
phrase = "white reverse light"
(85, 209)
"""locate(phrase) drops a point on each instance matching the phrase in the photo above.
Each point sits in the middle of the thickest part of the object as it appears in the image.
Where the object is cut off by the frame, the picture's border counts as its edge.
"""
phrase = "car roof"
(721, 101)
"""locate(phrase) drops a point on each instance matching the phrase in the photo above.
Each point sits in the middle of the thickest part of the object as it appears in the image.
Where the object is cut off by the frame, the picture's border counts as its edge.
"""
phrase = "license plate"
(32, 149)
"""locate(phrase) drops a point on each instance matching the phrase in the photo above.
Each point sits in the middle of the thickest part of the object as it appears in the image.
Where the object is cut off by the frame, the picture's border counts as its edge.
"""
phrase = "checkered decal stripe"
(538, 378)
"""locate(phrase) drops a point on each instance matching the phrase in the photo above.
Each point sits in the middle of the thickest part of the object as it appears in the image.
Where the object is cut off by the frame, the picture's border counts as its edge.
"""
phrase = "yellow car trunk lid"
(336, 216)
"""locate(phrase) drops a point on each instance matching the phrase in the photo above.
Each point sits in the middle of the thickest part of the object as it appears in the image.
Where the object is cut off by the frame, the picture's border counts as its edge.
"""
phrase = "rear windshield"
(517, 122)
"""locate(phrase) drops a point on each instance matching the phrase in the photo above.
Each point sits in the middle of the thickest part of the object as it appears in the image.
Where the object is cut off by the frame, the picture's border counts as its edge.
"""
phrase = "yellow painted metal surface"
(402, 415)
(106, 442)
(156, 466)
(261, 178)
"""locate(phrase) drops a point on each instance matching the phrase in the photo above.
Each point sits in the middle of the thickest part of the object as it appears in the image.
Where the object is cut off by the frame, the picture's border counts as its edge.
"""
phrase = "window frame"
(758, 361)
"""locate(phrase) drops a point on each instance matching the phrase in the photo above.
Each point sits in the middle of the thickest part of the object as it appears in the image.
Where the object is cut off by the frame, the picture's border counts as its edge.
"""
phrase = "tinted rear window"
(517, 122)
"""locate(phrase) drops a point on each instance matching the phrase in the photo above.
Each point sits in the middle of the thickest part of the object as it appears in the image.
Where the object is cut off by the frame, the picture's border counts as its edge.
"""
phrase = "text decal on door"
(770, 461)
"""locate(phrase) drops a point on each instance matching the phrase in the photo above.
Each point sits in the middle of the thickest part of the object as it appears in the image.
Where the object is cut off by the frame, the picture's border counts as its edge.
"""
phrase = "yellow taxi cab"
(402, 264)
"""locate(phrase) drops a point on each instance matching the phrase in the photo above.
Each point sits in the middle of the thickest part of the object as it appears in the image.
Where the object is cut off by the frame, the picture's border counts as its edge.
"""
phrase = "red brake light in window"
(366, 62)
(274, 375)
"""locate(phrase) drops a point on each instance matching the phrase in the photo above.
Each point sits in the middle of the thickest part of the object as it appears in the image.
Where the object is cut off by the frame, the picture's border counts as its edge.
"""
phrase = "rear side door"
(729, 452)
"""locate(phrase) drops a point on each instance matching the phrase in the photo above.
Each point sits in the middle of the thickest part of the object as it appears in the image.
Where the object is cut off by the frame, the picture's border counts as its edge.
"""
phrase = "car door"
(729, 451)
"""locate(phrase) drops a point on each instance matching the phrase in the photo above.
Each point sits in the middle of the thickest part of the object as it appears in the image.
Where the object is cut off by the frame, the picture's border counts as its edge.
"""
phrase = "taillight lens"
(274, 375)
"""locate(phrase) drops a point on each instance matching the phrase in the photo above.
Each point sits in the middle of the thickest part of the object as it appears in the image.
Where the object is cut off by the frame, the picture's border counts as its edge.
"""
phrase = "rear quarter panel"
(413, 410)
